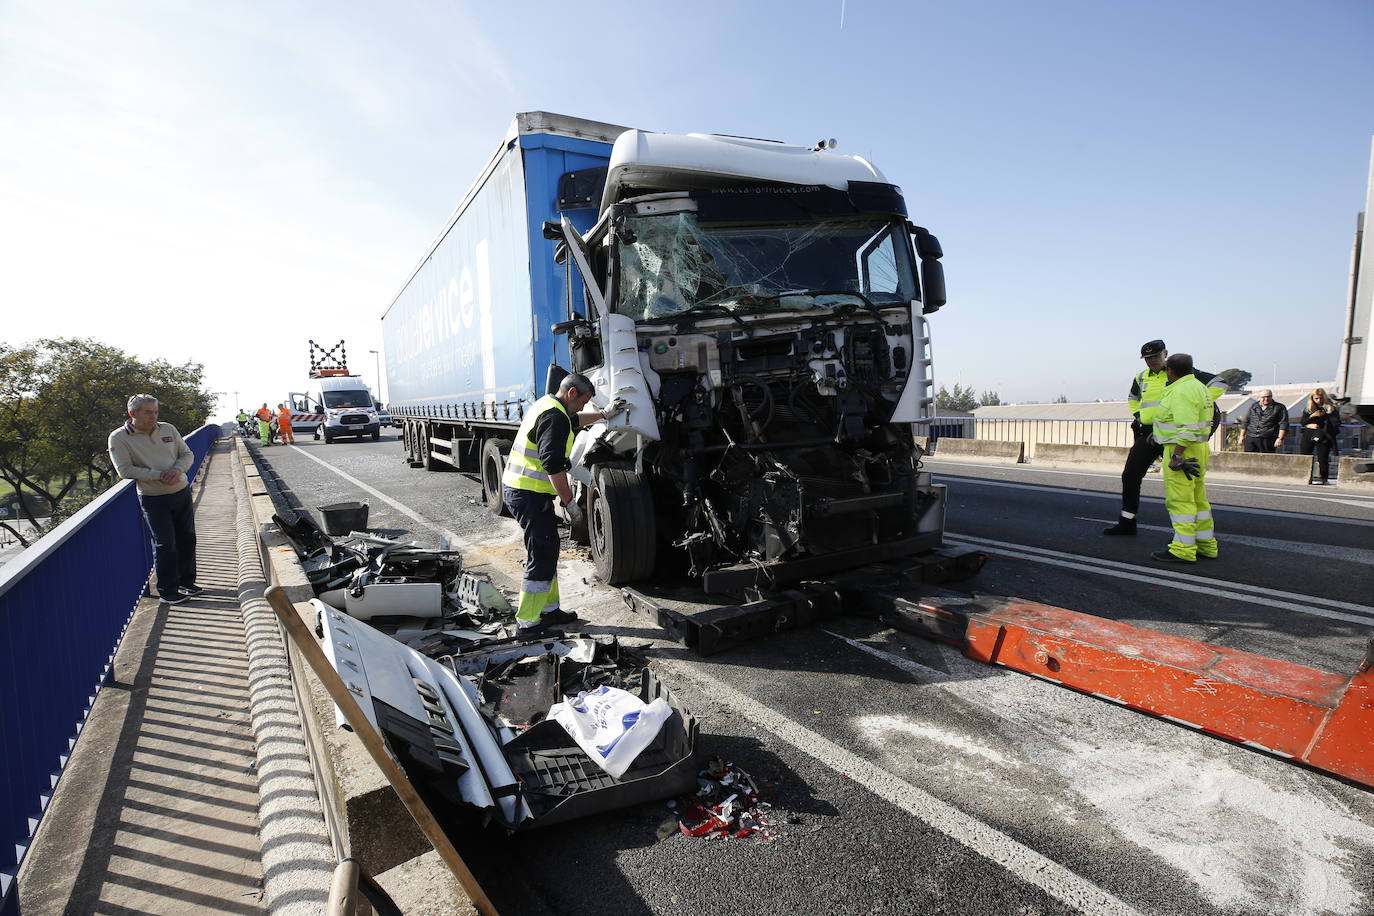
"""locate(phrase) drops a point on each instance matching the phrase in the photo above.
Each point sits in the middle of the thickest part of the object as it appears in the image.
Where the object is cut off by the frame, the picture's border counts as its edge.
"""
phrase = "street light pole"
(377, 364)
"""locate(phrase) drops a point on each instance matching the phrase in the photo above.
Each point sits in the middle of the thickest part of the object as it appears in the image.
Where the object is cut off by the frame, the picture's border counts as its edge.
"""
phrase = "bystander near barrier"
(65, 603)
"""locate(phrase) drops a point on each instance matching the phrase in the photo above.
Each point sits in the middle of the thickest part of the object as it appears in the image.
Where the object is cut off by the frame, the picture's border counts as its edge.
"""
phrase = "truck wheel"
(621, 525)
(494, 452)
(327, 438)
(376, 434)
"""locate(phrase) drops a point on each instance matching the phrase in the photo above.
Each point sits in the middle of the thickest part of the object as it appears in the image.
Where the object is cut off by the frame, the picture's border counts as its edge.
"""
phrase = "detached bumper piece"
(710, 628)
(1310, 716)
(470, 730)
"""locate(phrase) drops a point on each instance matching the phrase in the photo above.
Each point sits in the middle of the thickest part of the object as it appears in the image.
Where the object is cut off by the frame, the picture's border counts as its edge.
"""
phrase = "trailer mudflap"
(1315, 717)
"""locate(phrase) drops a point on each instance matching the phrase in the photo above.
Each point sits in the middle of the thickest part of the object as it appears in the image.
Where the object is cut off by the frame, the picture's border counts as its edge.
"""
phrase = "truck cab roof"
(643, 161)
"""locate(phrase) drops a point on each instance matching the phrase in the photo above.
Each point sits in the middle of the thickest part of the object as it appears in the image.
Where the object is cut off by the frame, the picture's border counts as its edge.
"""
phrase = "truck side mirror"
(927, 245)
(932, 286)
(932, 271)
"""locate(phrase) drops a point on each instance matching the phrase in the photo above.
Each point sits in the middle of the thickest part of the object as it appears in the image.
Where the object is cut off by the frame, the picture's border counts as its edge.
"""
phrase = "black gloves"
(1188, 466)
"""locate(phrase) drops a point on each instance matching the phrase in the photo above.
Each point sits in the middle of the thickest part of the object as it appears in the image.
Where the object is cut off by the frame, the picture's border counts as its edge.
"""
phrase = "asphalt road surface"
(912, 780)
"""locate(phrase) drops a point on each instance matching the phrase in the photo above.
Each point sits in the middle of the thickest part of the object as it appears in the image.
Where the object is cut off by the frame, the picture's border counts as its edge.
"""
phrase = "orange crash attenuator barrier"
(1315, 717)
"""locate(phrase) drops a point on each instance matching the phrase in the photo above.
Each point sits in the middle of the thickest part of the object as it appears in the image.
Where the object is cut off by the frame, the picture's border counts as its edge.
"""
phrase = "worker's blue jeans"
(172, 519)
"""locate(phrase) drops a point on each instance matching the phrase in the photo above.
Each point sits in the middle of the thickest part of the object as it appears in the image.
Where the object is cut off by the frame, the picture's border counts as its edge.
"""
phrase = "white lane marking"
(454, 540)
(1349, 499)
(1232, 591)
(1325, 551)
(1115, 497)
(1259, 825)
(1025, 863)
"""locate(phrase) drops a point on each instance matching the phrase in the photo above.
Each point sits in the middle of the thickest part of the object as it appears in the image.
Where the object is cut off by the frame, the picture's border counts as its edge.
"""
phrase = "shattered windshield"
(673, 264)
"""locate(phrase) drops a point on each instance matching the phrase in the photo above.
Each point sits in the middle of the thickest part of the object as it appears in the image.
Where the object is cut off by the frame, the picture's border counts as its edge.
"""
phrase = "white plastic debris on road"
(611, 725)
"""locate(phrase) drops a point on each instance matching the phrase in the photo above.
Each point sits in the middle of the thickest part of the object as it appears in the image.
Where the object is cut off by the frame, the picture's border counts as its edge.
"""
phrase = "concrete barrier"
(1257, 466)
(1351, 478)
(990, 451)
(1087, 457)
(364, 816)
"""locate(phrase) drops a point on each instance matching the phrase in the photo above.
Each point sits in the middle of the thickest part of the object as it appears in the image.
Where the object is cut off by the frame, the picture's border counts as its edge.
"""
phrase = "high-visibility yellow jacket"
(1148, 387)
(524, 469)
(1184, 415)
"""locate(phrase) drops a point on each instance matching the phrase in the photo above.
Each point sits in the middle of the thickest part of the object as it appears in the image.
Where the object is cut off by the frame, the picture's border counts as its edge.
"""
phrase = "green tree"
(59, 399)
(989, 399)
(960, 399)
(1235, 379)
(1062, 399)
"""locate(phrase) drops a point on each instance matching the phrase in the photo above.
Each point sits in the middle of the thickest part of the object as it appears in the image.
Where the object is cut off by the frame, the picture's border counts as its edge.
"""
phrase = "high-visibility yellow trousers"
(265, 431)
(1189, 511)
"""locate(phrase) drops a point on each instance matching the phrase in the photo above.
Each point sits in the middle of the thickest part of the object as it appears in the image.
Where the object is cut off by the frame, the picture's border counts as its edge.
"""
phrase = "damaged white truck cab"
(760, 308)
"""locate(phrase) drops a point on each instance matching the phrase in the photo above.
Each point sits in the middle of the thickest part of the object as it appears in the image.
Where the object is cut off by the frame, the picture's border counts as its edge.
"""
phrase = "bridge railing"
(65, 603)
(1032, 431)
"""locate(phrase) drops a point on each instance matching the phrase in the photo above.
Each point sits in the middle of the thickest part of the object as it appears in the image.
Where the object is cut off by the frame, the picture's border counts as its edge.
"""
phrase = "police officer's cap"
(1151, 348)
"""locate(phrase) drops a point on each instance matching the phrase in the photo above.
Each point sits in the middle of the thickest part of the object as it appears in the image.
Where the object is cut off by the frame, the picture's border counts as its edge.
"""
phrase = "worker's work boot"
(1167, 556)
(1124, 525)
(557, 618)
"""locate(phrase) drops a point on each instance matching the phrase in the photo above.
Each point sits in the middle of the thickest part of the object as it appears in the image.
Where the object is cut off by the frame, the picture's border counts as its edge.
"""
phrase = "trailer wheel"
(410, 432)
(621, 525)
(494, 452)
(426, 448)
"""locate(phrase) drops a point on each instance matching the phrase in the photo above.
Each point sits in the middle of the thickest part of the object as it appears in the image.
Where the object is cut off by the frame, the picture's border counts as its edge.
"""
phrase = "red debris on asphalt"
(729, 804)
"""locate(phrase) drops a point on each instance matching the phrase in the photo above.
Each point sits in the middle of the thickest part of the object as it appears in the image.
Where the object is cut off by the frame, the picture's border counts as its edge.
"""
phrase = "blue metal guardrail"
(65, 603)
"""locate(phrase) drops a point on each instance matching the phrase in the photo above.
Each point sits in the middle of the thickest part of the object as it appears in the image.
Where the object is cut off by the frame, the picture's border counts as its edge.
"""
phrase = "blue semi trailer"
(760, 307)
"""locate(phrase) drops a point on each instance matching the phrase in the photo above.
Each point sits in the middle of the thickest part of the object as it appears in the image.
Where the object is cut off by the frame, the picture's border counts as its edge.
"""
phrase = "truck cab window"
(878, 265)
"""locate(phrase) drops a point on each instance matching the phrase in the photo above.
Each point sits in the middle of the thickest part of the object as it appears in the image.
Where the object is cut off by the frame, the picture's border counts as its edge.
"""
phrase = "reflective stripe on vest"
(524, 470)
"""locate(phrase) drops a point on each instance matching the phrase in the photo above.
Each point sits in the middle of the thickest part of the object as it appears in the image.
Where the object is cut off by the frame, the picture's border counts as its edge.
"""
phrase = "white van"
(346, 404)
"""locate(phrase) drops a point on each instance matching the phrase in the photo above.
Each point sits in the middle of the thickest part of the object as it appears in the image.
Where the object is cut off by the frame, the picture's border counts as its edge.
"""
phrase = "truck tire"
(411, 432)
(327, 438)
(376, 434)
(621, 525)
(494, 452)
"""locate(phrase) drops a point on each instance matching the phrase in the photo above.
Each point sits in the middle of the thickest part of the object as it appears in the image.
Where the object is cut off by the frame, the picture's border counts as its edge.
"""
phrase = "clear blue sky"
(223, 181)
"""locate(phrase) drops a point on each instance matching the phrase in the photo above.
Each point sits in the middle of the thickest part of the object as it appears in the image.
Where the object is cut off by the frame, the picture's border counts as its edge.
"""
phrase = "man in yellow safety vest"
(1182, 426)
(536, 472)
(1147, 388)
